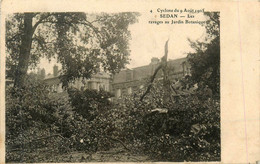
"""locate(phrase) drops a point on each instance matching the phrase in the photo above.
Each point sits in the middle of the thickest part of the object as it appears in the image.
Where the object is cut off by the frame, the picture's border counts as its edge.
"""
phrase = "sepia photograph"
(75, 92)
(105, 87)
(129, 81)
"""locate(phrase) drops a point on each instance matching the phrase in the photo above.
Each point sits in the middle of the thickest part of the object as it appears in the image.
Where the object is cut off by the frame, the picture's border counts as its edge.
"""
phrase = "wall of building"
(130, 80)
(126, 81)
(98, 81)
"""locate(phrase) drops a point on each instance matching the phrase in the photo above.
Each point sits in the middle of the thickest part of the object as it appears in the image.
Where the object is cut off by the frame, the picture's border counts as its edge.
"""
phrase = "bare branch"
(42, 43)
(13, 37)
(97, 20)
(115, 139)
(41, 21)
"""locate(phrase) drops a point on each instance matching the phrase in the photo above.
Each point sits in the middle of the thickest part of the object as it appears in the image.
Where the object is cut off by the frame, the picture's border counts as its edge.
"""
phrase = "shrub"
(31, 116)
(40, 124)
(189, 130)
(89, 103)
(27, 106)
(94, 117)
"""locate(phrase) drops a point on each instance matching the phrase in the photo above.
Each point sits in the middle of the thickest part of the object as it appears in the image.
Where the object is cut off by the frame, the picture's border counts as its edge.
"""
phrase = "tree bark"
(166, 81)
(24, 56)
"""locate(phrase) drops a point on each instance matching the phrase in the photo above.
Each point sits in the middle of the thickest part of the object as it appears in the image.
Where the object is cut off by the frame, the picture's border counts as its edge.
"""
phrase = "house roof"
(51, 79)
(139, 73)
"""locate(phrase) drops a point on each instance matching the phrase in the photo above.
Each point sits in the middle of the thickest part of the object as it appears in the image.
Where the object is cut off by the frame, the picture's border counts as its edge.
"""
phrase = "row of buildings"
(126, 81)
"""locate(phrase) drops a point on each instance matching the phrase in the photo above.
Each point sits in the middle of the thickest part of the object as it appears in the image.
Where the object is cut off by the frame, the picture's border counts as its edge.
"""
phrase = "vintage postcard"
(140, 81)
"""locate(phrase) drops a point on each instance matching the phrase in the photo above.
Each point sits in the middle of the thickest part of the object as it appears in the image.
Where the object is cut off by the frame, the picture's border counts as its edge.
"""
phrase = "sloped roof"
(139, 73)
(54, 80)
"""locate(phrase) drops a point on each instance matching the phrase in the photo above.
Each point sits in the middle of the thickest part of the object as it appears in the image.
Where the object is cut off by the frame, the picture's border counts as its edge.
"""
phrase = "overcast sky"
(148, 41)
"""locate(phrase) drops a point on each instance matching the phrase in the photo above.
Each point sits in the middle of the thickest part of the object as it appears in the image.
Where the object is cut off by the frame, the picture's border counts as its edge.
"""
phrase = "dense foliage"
(89, 103)
(186, 129)
(41, 125)
(30, 114)
(205, 61)
(82, 43)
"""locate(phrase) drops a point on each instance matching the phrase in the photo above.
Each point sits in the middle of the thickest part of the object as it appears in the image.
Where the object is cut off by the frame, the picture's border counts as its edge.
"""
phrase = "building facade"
(98, 81)
(126, 81)
(130, 80)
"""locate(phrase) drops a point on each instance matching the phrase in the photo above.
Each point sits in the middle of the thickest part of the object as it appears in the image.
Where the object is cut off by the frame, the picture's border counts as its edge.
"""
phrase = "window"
(118, 93)
(59, 88)
(129, 90)
(54, 88)
(128, 75)
(89, 85)
(102, 87)
(188, 71)
(92, 85)
(98, 86)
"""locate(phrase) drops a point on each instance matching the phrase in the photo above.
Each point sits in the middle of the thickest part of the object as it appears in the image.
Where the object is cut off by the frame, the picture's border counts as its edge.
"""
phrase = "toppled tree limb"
(138, 160)
(151, 82)
(121, 142)
(162, 66)
(173, 89)
(112, 153)
(43, 138)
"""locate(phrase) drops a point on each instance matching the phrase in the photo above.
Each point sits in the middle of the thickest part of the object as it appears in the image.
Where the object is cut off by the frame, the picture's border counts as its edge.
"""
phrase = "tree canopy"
(82, 43)
(205, 61)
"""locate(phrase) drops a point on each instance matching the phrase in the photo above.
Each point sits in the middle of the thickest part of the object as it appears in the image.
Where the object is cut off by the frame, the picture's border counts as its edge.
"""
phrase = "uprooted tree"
(81, 42)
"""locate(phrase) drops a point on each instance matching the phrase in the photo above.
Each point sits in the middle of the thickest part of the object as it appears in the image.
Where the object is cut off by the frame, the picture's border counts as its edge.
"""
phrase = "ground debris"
(117, 154)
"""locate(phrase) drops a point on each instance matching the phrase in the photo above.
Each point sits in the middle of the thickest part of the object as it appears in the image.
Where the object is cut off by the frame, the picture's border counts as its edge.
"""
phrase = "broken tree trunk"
(166, 81)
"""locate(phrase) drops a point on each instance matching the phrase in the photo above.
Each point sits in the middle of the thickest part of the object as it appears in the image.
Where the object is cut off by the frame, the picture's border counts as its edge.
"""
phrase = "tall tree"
(205, 61)
(82, 43)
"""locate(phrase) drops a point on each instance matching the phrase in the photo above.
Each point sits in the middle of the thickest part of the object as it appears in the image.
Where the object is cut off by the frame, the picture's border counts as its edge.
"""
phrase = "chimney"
(38, 71)
(42, 73)
(55, 70)
(154, 60)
